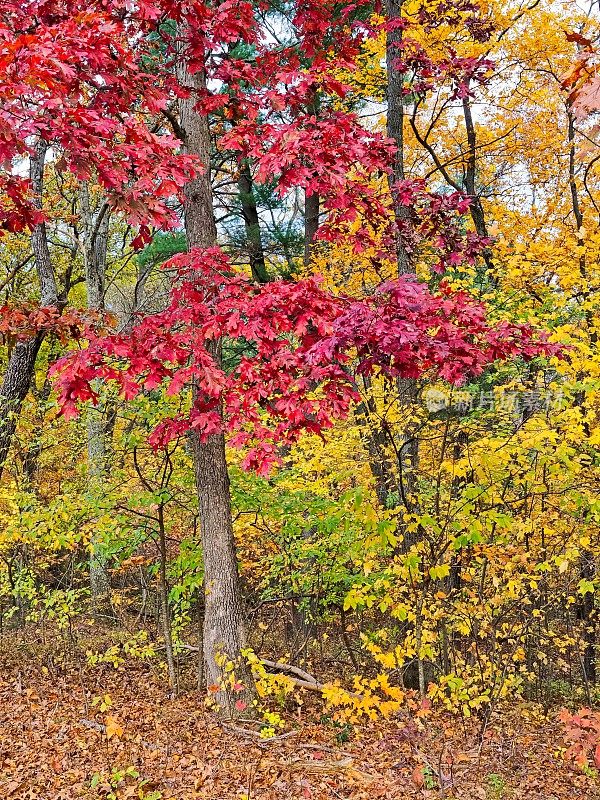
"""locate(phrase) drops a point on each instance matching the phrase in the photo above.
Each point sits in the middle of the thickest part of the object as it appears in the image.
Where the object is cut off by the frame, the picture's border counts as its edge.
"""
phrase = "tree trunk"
(377, 443)
(17, 380)
(94, 245)
(312, 209)
(99, 576)
(256, 253)
(588, 616)
(20, 370)
(223, 630)
(39, 239)
(163, 593)
(395, 131)
(33, 448)
(224, 634)
(407, 387)
(477, 212)
(312, 202)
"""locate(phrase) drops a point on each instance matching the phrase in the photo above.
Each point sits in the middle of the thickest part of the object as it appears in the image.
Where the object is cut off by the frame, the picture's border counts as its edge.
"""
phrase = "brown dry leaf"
(12, 787)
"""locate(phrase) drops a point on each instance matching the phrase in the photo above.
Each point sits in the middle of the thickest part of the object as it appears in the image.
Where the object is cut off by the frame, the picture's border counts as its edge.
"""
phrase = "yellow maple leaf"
(113, 727)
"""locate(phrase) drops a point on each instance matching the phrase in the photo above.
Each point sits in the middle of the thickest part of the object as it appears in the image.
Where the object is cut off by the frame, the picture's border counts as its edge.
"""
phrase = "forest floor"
(57, 742)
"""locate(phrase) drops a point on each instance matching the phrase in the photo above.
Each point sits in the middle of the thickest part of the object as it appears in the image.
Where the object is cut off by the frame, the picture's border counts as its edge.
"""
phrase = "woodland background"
(264, 534)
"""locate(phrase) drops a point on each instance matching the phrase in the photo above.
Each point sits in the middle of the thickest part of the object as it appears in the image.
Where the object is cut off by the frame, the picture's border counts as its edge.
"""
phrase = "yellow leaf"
(113, 727)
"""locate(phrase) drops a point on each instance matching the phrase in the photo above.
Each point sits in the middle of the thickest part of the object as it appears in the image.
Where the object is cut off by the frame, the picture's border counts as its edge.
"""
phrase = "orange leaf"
(418, 777)
(113, 728)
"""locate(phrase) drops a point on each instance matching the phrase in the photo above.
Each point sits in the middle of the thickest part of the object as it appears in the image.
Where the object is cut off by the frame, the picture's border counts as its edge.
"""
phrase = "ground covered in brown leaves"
(55, 744)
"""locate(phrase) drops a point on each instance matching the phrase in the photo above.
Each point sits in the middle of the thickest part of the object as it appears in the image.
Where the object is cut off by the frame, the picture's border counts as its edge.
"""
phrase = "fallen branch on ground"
(299, 676)
(255, 735)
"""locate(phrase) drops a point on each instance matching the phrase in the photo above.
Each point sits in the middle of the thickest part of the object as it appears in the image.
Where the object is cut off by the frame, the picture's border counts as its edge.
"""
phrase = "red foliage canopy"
(71, 77)
(265, 363)
(93, 78)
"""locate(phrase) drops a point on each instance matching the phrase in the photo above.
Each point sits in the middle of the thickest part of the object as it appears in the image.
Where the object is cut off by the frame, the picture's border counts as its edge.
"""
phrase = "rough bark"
(407, 387)
(17, 380)
(312, 201)
(39, 239)
(256, 253)
(223, 629)
(20, 370)
(377, 443)
(312, 209)
(395, 130)
(94, 245)
(476, 209)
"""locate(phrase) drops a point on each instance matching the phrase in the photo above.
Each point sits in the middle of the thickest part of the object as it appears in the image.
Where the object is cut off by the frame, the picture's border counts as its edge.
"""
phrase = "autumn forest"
(299, 399)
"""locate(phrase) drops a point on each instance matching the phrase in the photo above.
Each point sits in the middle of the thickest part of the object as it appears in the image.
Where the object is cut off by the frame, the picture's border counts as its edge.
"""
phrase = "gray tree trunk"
(17, 380)
(94, 235)
(395, 129)
(20, 370)
(407, 387)
(223, 627)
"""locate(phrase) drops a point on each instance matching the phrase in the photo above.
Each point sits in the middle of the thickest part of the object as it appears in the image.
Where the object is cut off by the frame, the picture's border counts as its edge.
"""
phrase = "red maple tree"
(298, 348)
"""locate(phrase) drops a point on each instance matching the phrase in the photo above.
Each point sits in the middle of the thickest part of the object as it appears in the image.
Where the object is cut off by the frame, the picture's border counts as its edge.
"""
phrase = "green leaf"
(586, 587)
